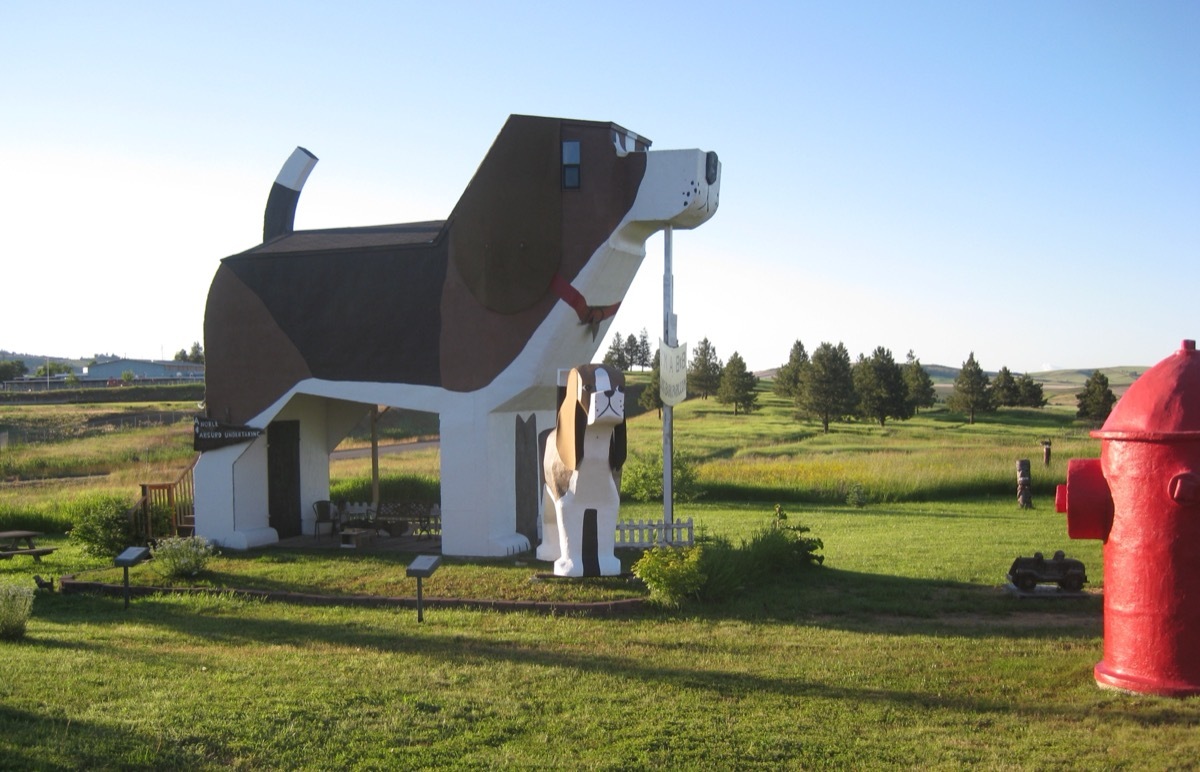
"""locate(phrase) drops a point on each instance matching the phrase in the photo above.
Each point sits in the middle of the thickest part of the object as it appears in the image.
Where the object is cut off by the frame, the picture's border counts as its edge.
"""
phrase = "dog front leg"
(478, 485)
(550, 548)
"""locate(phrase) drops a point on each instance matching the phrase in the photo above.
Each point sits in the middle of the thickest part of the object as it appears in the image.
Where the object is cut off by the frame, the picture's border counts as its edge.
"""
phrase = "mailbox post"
(130, 557)
(423, 566)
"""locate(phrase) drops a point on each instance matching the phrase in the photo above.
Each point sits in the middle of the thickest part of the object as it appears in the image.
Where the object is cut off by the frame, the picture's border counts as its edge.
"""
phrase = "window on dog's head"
(570, 164)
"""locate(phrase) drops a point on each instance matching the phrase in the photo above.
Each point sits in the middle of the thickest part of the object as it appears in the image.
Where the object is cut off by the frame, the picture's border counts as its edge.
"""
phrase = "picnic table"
(10, 545)
(400, 519)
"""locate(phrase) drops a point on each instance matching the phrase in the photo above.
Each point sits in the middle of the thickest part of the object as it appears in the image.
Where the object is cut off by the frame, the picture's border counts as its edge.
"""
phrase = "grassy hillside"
(774, 454)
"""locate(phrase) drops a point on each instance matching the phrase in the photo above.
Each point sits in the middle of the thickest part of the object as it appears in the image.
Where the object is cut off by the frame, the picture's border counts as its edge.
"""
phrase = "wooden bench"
(35, 553)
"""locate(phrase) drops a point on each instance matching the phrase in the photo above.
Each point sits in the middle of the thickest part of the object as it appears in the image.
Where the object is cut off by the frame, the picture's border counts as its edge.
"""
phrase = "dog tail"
(280, 217)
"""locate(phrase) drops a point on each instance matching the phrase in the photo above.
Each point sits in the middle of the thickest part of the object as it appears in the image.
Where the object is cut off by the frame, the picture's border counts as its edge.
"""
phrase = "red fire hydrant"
(1142, 497)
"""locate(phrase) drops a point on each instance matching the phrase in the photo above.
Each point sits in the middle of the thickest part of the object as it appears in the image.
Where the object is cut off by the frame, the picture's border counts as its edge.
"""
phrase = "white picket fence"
(630, 533)
(653, 533)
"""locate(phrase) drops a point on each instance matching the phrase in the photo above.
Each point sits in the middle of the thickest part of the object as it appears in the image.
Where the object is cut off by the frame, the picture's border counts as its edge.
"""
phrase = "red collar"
(589, 315)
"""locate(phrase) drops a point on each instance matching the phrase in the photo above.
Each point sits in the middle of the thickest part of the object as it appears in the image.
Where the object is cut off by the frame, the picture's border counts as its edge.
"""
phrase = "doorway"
(283, 477)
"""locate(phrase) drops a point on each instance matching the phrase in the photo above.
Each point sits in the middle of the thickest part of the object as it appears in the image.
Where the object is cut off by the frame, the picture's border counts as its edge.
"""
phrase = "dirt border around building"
(68, 585)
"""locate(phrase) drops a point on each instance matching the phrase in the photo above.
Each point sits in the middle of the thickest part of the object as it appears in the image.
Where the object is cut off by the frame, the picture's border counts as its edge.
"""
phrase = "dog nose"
(711, 164)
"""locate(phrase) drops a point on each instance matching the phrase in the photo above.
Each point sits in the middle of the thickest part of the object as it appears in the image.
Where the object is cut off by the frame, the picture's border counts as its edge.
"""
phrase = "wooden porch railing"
(177, 497)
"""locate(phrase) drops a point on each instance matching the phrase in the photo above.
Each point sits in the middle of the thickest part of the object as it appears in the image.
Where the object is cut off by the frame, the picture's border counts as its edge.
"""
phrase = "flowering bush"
(177, 557)
(16, 603)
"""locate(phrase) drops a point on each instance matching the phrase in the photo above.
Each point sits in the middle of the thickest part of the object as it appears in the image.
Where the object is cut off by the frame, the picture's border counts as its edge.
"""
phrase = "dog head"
(594, 396)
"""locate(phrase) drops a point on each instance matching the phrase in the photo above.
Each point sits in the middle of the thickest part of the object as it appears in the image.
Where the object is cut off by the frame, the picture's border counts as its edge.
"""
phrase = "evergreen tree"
(880, 386)
(615, 356)
(1029, 392)
(631, 351)
(196, 354)
(738, 385)
(787, 378)
(827, 386)
(1097, 399)
(651, 397)
(644, 358)
(704, 371)
(972, 391)
(919, 384)
(1005, 392)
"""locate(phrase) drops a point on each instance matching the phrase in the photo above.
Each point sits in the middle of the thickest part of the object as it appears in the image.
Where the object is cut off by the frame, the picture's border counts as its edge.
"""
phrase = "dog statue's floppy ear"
(569, 436)
(617, 448)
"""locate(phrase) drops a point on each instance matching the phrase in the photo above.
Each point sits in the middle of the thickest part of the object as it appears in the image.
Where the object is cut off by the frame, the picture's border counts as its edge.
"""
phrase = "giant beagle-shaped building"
(470, 318)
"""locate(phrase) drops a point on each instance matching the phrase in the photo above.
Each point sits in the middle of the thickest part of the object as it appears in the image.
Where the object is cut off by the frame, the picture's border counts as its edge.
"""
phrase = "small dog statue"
(582, 465)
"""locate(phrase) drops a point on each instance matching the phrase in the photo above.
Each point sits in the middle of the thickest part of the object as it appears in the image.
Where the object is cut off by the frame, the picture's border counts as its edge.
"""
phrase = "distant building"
(143, 369)
(111, 373)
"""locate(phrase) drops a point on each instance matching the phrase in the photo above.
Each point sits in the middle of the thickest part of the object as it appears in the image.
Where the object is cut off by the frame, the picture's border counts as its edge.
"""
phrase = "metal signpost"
(668, 411)
(421, 567)
(130, 557)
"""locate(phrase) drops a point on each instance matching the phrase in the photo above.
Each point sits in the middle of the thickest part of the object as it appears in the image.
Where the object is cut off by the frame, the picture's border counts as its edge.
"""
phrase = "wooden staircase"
(177, 498)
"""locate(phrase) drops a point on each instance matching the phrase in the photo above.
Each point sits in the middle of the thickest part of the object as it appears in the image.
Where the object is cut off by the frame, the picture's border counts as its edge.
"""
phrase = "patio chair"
(325, 514)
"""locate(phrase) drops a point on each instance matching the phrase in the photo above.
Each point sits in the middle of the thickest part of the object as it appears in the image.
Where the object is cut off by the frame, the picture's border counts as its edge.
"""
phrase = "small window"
(570, 164)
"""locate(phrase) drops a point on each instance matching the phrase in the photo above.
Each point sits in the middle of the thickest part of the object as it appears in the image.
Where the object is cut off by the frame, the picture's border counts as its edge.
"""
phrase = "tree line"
(730, 382)
(626, 353)
(196, 354)
(829, 387)
(974, 392)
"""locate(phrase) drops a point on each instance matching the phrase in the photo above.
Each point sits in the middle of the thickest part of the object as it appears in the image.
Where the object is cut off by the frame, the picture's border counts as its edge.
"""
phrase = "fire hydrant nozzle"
(1085, 500)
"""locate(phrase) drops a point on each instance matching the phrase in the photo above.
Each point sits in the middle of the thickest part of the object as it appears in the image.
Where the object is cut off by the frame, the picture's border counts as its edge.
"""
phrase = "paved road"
(398, 447)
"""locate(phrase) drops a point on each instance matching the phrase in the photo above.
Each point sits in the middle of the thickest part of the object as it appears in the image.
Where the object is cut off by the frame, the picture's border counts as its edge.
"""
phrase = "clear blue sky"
(1016, 179)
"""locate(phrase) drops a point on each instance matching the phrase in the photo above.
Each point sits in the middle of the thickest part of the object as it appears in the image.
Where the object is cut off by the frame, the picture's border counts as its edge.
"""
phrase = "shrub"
(642, 478)
(102, 525)
(857, 497)
(723, 569)
(672, 574)
(801, 550)
(16, 603)
(415, 488)
(177, 557)
(773, 551)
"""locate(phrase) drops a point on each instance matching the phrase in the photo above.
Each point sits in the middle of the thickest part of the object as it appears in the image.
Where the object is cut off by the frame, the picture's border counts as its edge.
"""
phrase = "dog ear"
(506, 230)
(569, 436)
(618, 447)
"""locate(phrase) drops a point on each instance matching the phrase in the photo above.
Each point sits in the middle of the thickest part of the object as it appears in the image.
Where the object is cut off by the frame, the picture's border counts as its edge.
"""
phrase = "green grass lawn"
(902, 650)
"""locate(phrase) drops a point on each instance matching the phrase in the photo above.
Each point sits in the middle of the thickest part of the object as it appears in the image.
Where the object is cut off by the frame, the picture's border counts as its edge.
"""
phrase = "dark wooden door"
(283, 477)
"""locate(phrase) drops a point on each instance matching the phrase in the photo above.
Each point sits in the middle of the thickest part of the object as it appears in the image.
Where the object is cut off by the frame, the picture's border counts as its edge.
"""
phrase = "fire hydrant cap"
(1163, 404)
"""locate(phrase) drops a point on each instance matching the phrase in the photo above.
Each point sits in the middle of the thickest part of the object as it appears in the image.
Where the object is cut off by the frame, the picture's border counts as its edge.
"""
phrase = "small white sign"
(672, 373)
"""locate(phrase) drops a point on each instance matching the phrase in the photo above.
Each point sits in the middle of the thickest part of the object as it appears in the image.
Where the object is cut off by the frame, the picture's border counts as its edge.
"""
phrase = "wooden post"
(374, 458)
(1024, 484)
